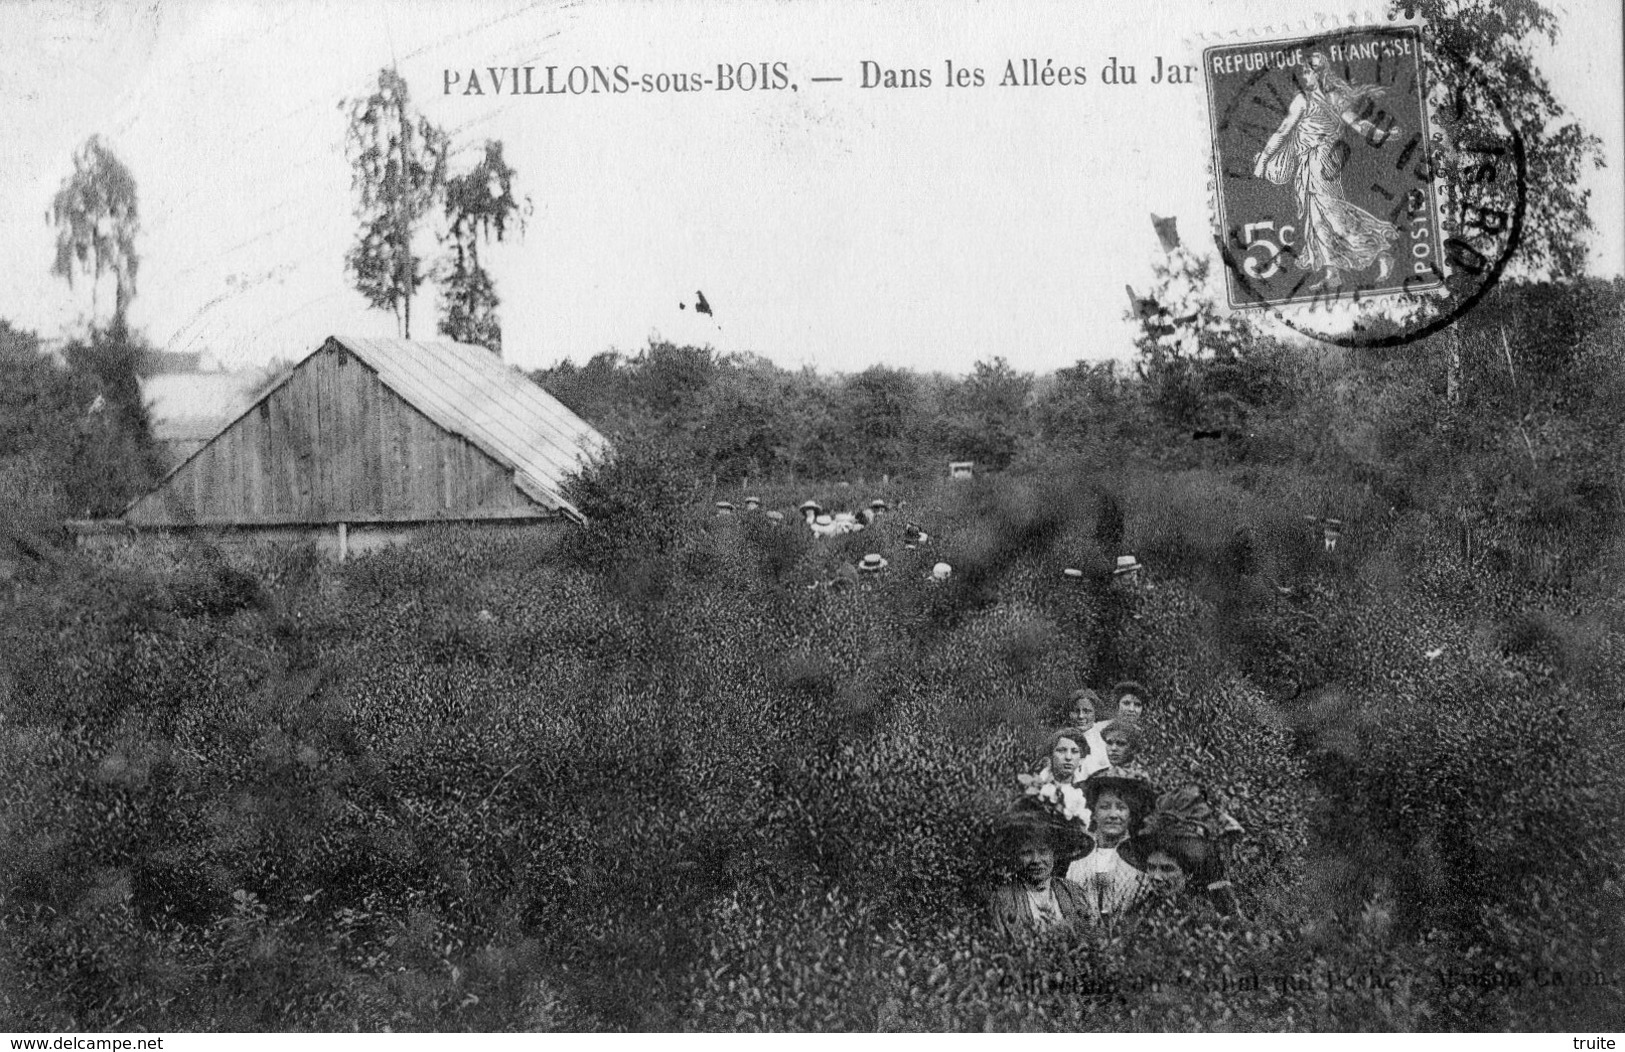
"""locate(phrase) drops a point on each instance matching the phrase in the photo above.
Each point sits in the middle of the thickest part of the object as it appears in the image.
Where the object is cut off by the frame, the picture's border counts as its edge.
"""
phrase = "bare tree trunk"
(403, 225)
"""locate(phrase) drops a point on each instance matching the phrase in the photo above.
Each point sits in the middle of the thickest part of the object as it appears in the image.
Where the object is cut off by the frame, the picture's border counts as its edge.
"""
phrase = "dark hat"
(1187, 825)
(1132, 782)
(1196, 856)
(1026, 822)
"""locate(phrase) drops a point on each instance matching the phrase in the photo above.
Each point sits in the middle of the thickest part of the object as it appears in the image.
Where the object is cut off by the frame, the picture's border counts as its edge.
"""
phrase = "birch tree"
(399, 162)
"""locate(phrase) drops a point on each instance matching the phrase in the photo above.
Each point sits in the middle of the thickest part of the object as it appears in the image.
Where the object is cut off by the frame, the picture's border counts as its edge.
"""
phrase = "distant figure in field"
(1038, 901)
(1126, 573)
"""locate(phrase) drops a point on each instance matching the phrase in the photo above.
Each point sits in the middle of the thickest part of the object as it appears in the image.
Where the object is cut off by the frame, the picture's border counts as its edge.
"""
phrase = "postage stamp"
(1324, 168)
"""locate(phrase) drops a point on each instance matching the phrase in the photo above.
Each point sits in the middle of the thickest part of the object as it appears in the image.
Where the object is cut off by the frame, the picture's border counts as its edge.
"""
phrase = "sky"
(832, 225)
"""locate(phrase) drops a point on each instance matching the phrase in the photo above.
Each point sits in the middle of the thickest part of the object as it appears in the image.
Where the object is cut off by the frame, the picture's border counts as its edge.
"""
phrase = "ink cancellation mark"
(1330, 171)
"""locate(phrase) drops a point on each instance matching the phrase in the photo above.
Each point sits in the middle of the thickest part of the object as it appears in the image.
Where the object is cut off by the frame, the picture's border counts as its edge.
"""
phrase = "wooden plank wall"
(333, 444)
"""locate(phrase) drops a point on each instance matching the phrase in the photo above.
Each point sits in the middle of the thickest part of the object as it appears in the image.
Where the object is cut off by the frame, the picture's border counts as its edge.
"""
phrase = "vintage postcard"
(705, 516)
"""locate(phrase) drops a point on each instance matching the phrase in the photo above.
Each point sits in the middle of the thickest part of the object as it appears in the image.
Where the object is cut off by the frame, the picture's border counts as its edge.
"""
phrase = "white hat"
(941, 571)
(813, 504)
(879, 504)
(1127, 564)
(723, 505)
(1073, 571)
(776, 516)
(873, 562)
(752, 500)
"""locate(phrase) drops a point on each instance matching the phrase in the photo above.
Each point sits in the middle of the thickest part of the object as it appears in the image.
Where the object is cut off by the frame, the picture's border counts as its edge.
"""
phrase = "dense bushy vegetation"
(641, 776)
(74, 438)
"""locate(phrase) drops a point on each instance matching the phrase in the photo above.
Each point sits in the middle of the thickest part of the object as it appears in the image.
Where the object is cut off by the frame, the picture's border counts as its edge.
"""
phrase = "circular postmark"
(1350, 165)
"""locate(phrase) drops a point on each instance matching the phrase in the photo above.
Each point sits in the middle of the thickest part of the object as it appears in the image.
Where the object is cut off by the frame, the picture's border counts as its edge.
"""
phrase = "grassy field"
(651, 780)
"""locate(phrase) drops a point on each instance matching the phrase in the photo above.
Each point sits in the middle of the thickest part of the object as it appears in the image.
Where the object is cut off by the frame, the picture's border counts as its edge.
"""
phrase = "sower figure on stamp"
(1308, 152)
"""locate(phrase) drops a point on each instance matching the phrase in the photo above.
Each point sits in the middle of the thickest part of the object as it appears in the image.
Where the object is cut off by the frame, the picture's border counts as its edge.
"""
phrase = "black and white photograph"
(707, 516)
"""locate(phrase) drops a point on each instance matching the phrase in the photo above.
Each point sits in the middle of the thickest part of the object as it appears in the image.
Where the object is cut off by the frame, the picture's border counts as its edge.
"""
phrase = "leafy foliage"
(261, 791)
(97, 216)
(399, 162)
(479, 205)
(1481, 61)
(75, 441)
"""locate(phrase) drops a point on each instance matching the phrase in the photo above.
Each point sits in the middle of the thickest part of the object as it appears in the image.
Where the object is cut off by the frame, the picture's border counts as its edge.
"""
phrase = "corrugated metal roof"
(470, 392)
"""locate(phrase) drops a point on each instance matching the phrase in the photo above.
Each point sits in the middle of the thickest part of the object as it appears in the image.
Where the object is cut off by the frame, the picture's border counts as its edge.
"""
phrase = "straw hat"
(1073, 571)
(724, 506)
(879, 505)
(753, 502)
(1127, 564)
(775, 516)
(873, 563)
(812, 504)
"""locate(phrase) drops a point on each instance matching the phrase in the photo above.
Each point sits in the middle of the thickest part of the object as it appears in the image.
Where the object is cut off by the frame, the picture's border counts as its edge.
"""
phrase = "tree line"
(1502, 429)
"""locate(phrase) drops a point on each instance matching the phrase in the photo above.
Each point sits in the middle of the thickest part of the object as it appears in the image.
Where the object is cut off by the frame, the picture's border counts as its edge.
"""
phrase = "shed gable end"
(333, 443)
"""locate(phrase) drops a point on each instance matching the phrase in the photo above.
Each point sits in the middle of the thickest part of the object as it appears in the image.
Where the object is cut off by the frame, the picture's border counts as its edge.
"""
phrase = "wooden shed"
(381, 435)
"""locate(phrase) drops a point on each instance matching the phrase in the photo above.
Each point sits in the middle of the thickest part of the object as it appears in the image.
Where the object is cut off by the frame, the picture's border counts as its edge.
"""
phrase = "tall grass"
(481, 784)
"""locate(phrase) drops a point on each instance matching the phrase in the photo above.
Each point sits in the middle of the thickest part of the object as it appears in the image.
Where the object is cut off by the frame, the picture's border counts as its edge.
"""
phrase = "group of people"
(1090, 838)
